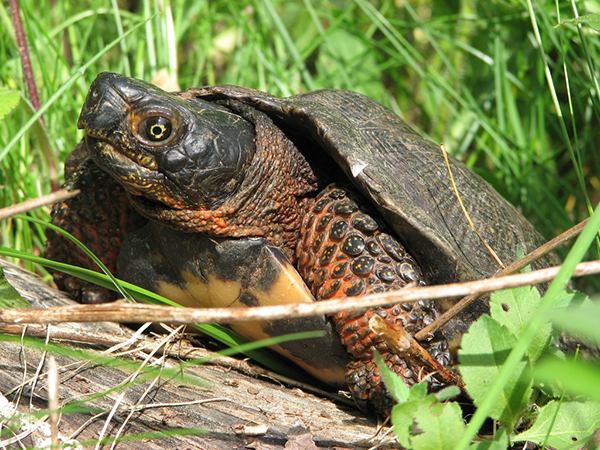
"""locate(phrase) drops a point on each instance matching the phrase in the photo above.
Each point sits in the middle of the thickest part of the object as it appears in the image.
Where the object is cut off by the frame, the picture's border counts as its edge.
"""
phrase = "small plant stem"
(31, 86)
(403, 344)
(15, 11)
(34, 203)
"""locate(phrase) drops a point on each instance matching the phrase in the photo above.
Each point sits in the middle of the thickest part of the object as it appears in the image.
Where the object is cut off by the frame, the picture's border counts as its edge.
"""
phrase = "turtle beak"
(110, 98)
(103, 106)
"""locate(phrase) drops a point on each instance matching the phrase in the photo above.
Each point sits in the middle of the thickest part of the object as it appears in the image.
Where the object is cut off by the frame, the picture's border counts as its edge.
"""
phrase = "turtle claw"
(95, 296)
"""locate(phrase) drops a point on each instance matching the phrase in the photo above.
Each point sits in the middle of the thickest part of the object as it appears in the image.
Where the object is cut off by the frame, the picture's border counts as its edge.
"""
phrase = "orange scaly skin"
(344, 251)
(101, 217)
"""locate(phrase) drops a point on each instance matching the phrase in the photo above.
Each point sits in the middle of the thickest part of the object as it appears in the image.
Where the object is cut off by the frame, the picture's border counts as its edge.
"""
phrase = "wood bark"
(235, 410)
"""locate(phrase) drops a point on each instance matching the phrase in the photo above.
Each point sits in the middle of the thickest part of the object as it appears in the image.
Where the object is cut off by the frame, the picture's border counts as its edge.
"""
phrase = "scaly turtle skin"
(208, 165)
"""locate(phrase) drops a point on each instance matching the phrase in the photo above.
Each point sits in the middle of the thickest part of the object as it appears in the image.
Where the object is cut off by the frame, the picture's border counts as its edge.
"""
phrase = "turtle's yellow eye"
(156, 128)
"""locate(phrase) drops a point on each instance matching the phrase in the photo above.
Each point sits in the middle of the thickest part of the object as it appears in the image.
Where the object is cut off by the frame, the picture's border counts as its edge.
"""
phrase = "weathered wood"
(235, 401)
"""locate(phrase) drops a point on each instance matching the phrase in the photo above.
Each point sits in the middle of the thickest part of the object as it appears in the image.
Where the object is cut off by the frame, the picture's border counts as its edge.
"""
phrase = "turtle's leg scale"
(100, 216)
(345, 252)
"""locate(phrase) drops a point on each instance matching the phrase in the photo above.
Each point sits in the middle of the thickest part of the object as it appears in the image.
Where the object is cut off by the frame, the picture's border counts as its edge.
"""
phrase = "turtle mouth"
(146, 161)
(140, 158)
(138, 173)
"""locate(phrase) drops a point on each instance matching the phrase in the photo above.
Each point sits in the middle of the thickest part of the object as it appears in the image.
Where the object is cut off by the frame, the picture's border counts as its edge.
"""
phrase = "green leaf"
(574, 423)
(484, 349)
(402, 418)
(567, 298)
(592, 20)
(394, 384)
(403, 414)
(8, 101)
(441, 425)
(447, 393)
(9, 296)
(575, 377)
(408, 400)
(513, 308)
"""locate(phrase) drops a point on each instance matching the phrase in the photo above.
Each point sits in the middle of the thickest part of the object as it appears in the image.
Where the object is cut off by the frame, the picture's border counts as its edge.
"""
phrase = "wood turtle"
(215, 196)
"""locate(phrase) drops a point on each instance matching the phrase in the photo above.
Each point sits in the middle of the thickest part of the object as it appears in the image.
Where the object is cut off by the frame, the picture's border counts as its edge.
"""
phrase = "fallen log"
(102, 402)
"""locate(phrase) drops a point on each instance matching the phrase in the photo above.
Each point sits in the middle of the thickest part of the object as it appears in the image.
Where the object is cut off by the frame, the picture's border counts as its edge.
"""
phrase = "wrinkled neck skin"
(270, 202)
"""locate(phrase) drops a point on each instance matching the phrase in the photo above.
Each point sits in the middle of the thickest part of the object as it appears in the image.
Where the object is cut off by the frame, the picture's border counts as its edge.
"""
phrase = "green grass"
(508, 91)
(469, 74)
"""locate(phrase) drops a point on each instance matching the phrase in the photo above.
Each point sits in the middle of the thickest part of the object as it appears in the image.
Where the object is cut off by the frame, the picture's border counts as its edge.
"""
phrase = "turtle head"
(195, 165)
(165, 150)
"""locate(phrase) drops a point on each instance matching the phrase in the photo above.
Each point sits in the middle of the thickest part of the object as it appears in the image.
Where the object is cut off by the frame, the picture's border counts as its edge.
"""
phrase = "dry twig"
(403, 344)
(139, 313)
(549, 246)
(34, 203)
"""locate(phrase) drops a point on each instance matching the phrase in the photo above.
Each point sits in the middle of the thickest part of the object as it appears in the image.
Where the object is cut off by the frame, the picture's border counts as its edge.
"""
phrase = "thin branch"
(403, 344)
(34, 203)
(429, 331)
(138, 313)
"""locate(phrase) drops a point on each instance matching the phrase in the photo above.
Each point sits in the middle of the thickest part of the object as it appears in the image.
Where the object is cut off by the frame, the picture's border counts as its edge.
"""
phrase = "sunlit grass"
(476, 76)
(507, 89)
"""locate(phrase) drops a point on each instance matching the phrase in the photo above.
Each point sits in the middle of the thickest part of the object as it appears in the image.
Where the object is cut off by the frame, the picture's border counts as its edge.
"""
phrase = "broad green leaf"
(8, 101)
(566, 298)
(402, 419)
(9, 296)
(418, 391)
(484, 349)
(393, 382)
(447, 393)
(574, 423)
(408, 400)
(513, 309)
(574, 377)
(403, 414)
(592, 20)
(441, 425)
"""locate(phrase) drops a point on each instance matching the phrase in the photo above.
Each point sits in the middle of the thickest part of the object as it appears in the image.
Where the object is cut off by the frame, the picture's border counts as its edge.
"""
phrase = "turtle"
(225, 195)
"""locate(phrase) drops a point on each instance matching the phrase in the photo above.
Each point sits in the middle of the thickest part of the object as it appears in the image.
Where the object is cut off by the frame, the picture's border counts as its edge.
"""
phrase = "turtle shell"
(205, 179)
(405, 177)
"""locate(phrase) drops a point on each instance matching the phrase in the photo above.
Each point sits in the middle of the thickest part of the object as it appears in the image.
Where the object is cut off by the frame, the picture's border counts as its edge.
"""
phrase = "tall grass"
(507, 85)
(507, 90)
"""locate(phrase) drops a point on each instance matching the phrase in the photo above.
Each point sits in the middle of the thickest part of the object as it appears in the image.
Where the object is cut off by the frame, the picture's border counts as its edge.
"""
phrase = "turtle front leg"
(100, 216)
(345, 252)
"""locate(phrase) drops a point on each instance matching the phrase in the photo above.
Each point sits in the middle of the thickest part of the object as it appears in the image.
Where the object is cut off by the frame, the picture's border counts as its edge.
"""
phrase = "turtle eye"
(156, 128)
